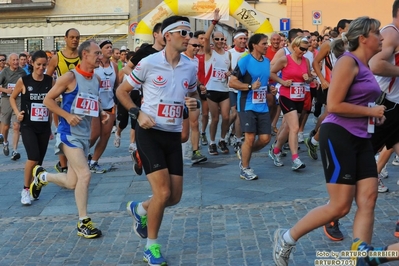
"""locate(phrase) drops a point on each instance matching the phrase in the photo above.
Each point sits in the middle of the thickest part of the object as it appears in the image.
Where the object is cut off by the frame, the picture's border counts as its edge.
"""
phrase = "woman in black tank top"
(27, 103)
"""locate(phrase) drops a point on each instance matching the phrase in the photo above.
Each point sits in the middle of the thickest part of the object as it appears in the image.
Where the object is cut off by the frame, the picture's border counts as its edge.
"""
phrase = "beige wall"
(300, 11)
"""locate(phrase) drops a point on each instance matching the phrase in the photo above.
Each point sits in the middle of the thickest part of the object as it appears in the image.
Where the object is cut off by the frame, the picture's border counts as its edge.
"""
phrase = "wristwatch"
(134, 112)
(249, 87)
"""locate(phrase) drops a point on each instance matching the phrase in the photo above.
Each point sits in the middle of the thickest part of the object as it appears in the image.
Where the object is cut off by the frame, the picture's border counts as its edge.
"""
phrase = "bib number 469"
(170, 111)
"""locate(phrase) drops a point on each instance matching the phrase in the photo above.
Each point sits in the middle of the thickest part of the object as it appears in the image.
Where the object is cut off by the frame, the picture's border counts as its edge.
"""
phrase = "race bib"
(86, 104)
(297, 90)
(219, 74)
(11, 86)
(259, 95)
(105, 84)
(169, 113)
(39, 112)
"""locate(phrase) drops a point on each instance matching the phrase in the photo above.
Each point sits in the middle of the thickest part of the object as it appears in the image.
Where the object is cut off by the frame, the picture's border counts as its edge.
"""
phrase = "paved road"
(221, 220)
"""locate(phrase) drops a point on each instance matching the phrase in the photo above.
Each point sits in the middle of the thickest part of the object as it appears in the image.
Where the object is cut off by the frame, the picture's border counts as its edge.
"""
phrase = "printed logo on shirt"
(185, 83)
(30, 88)
(159, 81)
(138, 66)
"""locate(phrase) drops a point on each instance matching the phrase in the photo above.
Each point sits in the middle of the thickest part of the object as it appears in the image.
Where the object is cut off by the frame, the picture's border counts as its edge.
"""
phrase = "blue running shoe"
(153, 256)
(359, 245)
(139, 222)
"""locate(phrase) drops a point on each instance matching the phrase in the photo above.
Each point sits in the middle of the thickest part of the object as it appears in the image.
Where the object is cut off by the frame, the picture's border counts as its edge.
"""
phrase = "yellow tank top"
(65, 64)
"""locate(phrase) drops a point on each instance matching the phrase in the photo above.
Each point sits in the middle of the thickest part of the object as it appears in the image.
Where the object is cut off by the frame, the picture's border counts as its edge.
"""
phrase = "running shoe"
(312, 149)
(223, 146)
(137, 165)
(15, 155)
(117, 140)
(96, 168)
(37, 183)
(153, 256)
(333, 232)
(212, 149)
(132, 147)
(384, 172)
(281, 249)
(204, 140)
(87, 230)
(394, 162)
(297, 164)
(60, 169)
(6, 150)
(397, 229)
(25, 197)
(237, 146)
(276, 158)
(139, 222)
(239, 153)
(248, 174)
(198, 157)
(113, 129)
(381, 187)
(300, 137)
(359, 245)
(1, 139)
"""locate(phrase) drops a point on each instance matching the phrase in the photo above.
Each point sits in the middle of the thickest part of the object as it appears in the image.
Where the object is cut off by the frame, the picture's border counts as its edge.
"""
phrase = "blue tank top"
(363, 90)
(82, 89)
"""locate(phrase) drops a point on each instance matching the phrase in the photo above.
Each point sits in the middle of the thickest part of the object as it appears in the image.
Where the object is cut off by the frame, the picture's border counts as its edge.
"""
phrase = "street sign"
(285, 33)
(132, 28)
(316, 17)
(285, 24)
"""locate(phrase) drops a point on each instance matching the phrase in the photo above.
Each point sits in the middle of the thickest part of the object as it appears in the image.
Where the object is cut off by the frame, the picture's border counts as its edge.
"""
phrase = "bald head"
(13, 61)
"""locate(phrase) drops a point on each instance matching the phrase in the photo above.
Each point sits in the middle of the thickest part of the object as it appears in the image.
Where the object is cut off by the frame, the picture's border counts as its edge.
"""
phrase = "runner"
(295, 72)
(200, 35)
(100, 133)
(8, 78)
(79, 88)
(346, 150)
(144, 51)
(385, 65)
(192, 49)
(217, 70)
(33, 116)
(166, 78)
(61, 63)
(240, 40)
(250, 77)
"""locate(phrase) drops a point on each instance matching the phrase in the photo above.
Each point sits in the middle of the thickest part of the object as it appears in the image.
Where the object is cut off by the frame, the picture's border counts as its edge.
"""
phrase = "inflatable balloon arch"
(238, 9)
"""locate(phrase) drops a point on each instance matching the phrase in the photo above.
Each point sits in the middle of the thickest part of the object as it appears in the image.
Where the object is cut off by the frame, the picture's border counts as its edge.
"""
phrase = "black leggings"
(35, 142)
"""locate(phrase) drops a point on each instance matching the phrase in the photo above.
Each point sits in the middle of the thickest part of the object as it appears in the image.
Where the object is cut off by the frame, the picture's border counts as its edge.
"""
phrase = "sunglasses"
(2, 60)
(303, 49)
(219, 39)
(195, 45)
(184, 33)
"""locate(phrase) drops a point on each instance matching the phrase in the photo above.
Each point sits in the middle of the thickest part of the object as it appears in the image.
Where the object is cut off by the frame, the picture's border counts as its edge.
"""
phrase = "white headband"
(239, 35)
(175, 25)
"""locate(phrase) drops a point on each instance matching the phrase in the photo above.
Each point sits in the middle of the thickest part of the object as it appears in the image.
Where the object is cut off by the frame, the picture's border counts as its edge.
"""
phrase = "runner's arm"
(380, 64)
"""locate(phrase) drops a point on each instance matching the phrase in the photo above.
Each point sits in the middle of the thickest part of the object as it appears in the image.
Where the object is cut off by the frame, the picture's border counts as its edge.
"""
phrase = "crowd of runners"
(170, 89)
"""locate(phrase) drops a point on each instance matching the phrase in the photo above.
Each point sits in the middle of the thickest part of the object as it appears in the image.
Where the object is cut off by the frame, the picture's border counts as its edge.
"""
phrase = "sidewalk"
(221, 219)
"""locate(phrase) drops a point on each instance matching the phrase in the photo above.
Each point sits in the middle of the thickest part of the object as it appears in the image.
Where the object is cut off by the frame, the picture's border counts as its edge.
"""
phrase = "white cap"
(123, 48)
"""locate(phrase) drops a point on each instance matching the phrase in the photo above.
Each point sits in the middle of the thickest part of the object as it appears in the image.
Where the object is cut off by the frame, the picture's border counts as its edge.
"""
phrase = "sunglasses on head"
(303, 49)
(195, 45)
(219, 39)
(184, 33)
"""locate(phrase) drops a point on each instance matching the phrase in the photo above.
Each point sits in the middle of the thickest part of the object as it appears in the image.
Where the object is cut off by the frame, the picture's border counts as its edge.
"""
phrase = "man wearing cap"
(122, 57)
(167, 78)
(108, 73)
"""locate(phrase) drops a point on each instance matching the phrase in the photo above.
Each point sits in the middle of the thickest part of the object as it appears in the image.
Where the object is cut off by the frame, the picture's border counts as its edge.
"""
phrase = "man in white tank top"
(217, 70)
(385, 65)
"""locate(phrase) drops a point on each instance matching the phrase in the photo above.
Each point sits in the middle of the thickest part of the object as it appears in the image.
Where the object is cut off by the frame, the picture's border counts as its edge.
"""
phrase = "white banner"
(201, 9)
